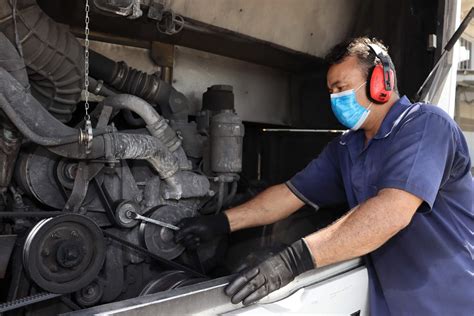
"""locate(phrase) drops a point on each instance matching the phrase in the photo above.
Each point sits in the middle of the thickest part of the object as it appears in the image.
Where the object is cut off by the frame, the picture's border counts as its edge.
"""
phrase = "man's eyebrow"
(335, 83)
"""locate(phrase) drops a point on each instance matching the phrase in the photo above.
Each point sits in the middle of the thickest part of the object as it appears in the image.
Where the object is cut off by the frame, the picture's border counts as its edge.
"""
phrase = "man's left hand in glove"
(270, 275)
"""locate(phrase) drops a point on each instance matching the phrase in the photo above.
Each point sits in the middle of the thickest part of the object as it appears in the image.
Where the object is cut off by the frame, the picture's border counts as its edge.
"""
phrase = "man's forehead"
(344, 71)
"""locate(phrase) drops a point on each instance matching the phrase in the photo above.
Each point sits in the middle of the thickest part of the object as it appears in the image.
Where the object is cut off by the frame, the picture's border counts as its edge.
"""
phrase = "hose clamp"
(86, 136)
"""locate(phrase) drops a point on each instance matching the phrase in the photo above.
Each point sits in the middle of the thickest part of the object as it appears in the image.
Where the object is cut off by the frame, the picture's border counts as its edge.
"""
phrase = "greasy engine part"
(122, 214)
(155, 124)
(12, 62)
(160, 240)
(65, 253)
(36, 174)
(226, 129)
(45, 130)
(10, 138)
(126, 8)
(18, 105)
(218, 98)
(227, 136)
(173, 104)
(90, 294)
(10, 141)
(53, 57)
(7, 242)
(155, 171)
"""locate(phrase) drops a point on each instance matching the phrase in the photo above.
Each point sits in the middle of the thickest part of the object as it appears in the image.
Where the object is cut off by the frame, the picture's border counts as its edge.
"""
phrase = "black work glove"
(195, 230)
(270, 275)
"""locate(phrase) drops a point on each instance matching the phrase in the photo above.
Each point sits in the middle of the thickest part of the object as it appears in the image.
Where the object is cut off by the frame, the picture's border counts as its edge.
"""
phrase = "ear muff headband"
(380, 83)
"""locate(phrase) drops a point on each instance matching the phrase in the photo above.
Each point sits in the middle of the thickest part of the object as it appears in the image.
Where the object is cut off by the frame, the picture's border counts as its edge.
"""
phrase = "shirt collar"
(392, 118)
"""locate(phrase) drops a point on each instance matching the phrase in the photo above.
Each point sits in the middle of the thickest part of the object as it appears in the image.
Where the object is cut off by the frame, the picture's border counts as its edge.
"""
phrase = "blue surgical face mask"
(347, 110)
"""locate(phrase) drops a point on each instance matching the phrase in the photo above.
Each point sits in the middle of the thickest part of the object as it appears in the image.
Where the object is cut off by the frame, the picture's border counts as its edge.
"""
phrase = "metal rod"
(134, 215)
(303, 130)
(447, 48)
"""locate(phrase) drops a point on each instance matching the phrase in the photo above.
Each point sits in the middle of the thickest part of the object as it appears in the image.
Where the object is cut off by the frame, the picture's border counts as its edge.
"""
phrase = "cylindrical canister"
(227, 133)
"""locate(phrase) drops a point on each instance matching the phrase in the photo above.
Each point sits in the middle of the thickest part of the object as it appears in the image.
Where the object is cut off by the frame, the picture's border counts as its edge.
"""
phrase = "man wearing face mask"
(403, 168)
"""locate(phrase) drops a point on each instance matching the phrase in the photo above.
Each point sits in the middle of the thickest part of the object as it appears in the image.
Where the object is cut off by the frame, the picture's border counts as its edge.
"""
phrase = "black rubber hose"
(30, 118)
(28, 133)
(151, 88)
(53, 56)
(102, 67)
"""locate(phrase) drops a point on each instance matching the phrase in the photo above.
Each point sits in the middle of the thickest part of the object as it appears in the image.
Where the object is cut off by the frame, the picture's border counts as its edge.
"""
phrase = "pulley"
(65, 253)
(158, 239)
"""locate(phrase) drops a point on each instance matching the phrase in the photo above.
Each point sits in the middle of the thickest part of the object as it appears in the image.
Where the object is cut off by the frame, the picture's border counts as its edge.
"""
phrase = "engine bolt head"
(45, 252)
(90, 290)
(74, 234)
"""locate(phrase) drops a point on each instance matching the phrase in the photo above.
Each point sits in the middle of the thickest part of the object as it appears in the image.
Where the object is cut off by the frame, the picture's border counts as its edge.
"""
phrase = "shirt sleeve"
(420, 157)
(320, 182)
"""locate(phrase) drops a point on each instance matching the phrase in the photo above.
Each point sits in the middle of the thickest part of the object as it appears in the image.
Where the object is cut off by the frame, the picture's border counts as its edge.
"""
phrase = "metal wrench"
(151, 220)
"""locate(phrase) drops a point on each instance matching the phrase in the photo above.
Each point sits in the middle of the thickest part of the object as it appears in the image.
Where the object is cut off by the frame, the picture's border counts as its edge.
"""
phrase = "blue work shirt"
(428, 267)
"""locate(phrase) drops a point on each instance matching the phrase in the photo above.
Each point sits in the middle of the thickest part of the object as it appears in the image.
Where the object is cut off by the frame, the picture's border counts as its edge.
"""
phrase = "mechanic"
(404, 170)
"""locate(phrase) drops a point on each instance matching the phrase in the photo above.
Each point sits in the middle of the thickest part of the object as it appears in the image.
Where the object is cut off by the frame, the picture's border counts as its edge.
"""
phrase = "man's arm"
(273, 204)
(362, 230)
(365, 228)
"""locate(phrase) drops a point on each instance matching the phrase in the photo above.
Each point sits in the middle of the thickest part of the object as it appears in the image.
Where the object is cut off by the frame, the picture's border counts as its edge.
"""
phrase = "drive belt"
(40, 297)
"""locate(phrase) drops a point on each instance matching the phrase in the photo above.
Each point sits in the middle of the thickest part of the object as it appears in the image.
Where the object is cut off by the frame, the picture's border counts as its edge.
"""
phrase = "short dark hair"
(359, 47)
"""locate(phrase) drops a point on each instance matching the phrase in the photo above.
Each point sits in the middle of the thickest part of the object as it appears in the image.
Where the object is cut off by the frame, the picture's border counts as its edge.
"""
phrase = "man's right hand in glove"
(196, 230)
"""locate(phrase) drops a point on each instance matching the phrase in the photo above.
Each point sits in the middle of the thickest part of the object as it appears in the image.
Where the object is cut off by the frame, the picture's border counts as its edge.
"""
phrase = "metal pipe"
(220, 197)
(156, 125)
(98, 88)
(233, 192)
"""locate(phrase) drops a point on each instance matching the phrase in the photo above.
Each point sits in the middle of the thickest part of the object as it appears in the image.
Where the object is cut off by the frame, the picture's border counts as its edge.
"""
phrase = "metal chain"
(86, 62)
(86, 135)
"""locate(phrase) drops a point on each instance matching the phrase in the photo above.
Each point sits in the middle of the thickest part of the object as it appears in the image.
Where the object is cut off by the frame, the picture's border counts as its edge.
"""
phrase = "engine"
(89, 201)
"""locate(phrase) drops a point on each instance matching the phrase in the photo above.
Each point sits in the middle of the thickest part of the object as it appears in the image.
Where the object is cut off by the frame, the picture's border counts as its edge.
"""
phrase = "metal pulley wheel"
(160, 240)
(65, 253)
(122, 216)
(169, 280)
(89, 295)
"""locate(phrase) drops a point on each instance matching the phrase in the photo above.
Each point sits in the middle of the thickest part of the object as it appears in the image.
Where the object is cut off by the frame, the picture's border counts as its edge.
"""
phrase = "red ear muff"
(377, 84)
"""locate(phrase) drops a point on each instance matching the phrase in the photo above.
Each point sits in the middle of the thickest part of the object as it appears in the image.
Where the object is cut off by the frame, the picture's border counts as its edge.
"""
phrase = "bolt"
(90, 291)
(71, 255)
(74, 234)
(71, 171)
(55, 235)
(45, 252)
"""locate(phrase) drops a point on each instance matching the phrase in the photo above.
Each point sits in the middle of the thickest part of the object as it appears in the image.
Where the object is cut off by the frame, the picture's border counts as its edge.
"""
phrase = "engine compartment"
(136, 153)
